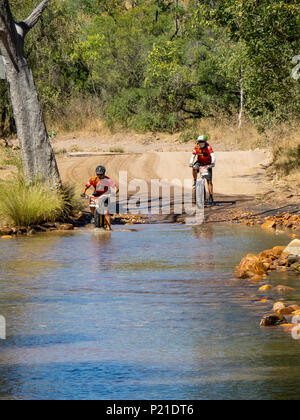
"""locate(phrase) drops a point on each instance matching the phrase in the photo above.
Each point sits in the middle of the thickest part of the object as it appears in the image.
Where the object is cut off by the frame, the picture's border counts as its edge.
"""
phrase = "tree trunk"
(241, 98)
(37, 153)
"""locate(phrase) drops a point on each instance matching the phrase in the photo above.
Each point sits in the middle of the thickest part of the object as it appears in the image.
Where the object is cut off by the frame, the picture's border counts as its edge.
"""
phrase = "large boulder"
(293, 248)
(251, 263)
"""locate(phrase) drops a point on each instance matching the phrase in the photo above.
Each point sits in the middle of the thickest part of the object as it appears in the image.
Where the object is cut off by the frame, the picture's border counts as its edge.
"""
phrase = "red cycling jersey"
(204, 155)
(101, 186)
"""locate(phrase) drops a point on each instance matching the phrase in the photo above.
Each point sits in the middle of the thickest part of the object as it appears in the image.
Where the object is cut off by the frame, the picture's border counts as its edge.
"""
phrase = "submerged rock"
(64, 226)
(265, 288)
(256, 279)
(284, 289)
(273, 320)
(5, 231)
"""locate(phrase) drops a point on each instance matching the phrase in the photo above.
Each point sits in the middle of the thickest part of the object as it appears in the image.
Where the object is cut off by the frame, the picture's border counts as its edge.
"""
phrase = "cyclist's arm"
(192, 160)
(86, 187)
(213, 160)
(84, 191)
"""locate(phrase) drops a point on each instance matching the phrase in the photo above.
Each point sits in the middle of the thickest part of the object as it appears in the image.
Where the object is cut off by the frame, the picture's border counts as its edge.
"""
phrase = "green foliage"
(159, 64)
(269, 34)
(116, 150)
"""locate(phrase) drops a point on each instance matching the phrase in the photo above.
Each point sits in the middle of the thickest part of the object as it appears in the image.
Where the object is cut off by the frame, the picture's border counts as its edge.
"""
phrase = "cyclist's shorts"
(209, 177)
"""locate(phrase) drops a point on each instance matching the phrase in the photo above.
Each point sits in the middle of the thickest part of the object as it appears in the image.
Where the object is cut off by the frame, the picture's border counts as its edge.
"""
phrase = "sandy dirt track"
(236, 173)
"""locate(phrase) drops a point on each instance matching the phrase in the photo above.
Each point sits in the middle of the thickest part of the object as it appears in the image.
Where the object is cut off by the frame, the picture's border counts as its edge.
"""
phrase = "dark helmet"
(100, 170)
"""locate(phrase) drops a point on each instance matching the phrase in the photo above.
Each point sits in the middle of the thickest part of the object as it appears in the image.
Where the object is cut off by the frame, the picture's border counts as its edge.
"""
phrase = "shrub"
(25, 205)
(70, 204)
(116, 150)
(287, 160)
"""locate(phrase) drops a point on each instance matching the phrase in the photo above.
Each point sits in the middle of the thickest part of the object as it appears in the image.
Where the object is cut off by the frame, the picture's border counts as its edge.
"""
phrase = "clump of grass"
(23, 204)
(60, 152)
(117, 150)
(75, 149)
(26, 205)
(70, 203)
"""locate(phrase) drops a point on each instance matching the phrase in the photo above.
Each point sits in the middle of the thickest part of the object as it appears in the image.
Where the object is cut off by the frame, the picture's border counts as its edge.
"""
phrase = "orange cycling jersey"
(101, 186)
(204, 155)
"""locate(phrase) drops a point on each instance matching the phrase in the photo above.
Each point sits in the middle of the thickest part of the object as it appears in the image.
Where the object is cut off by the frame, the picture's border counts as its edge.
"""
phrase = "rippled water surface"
(147, 314)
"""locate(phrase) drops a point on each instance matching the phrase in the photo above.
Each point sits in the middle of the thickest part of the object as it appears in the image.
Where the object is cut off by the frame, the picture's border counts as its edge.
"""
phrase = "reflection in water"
(205, 231)
(151, 314)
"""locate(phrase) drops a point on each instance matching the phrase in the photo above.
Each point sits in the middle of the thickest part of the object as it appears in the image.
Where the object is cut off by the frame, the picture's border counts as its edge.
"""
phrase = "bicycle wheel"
(97, 219)
(200, 193)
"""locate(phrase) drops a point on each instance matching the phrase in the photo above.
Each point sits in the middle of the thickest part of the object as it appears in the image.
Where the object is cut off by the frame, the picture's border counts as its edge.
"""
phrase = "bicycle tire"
(97, 220)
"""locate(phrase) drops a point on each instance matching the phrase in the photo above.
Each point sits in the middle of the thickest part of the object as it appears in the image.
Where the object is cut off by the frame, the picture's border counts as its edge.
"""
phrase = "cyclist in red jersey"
(205, 157)
(101, 184)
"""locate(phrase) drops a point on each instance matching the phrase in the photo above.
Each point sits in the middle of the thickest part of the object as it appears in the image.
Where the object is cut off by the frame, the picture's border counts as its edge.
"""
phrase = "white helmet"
(202, 139)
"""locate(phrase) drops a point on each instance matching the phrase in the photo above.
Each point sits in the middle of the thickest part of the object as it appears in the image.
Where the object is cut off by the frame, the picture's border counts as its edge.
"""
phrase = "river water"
(151, 313)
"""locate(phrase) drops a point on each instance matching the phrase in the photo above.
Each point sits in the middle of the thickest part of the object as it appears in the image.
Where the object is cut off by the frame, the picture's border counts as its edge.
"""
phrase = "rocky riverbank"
(257, 268)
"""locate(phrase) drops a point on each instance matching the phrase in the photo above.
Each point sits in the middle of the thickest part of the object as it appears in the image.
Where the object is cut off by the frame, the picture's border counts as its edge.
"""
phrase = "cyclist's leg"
(92, 206)
(106, 213)
(195, 173)
(108, 219)
(210, 186)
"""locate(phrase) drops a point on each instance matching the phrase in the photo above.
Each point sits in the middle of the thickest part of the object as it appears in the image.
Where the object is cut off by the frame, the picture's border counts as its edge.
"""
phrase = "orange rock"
(295, 307)
(282, 269)
(265, 288)
(6, 237)
(256, 279)
(285, 311)
(278, 250)
(269, 225)
(278, 306)
(296, 313)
